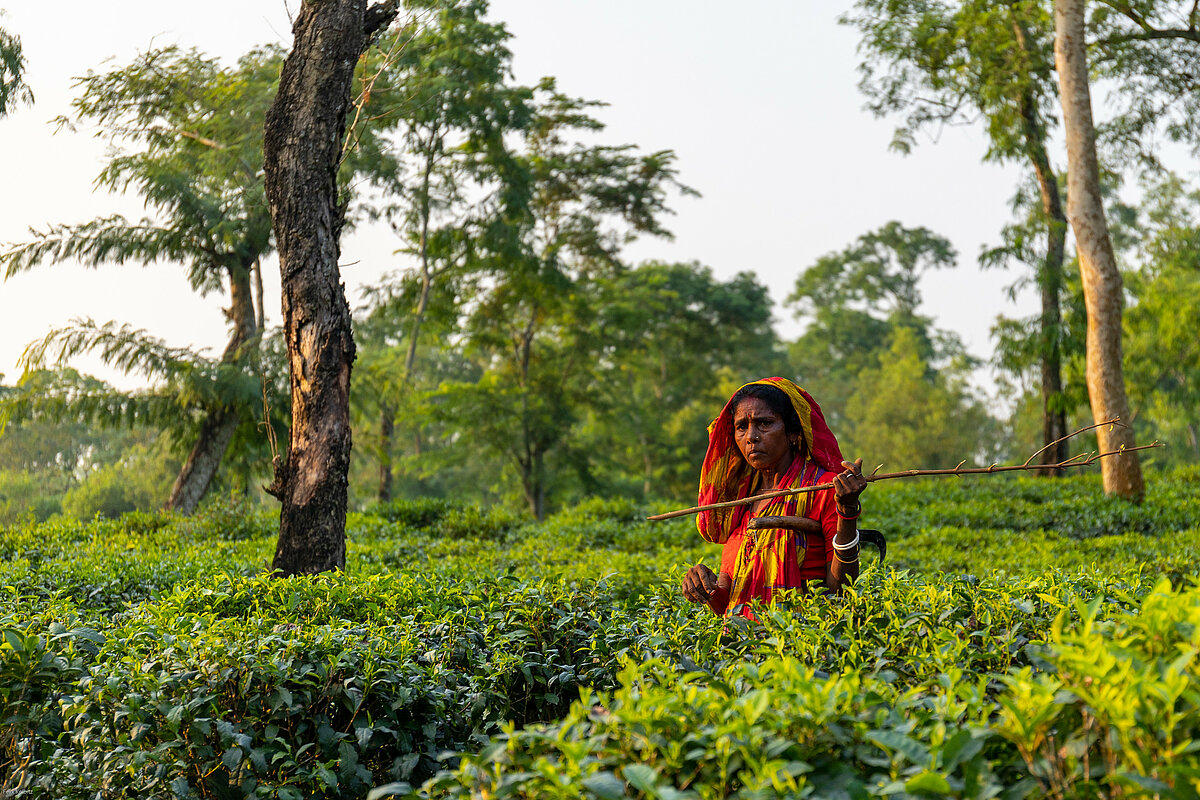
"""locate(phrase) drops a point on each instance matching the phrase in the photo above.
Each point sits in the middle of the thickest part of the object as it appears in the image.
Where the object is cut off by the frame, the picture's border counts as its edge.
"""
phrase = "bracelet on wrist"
(838, 556)
(847, 515)
(844, 546)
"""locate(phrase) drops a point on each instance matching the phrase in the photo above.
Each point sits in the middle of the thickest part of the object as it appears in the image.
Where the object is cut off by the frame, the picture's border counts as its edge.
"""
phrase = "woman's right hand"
(702, 585)
(699, 583)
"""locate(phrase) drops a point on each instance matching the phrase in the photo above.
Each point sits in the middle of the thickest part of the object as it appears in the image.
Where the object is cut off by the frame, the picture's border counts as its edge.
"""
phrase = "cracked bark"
(302, 147)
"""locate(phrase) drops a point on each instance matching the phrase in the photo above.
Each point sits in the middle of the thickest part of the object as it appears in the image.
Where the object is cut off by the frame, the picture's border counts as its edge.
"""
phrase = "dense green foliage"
(1025, 638)
(150, 656)
(517, 355)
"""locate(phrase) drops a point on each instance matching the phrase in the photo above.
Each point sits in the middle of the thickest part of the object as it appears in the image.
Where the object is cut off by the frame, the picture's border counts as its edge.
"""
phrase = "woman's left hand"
(848, 485)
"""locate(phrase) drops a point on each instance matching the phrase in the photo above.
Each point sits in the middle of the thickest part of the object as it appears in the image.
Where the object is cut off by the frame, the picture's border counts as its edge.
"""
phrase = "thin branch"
(1080, 460)
(1188, 34)
(204, 140)
(1113, 421)
(353, 132)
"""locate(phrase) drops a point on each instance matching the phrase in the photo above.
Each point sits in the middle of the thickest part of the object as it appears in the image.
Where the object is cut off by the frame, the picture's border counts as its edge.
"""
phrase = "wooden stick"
(799, 524)
(1081, 460)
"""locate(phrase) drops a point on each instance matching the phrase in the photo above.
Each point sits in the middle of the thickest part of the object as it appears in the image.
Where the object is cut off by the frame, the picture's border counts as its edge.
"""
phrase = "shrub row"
(1113, 711)
(261, 687)
(150, 657)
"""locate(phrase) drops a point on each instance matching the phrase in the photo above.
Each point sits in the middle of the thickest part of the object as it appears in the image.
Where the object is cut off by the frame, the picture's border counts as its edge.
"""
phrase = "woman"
(772, 435)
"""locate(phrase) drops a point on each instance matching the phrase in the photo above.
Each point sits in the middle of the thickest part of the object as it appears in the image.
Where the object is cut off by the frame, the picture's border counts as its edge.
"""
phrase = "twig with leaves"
(1080, 460)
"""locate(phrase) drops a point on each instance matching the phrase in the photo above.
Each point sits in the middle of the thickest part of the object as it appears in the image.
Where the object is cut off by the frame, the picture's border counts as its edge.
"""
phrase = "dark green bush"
(1111, 710)
(412, 513)
(150, 657)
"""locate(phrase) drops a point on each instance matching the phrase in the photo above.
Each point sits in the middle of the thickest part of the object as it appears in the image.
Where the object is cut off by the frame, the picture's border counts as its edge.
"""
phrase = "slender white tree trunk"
(1102, 289)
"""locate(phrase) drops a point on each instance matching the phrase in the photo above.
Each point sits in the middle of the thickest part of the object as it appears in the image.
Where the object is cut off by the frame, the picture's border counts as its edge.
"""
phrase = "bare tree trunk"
(388, 412)
(1050, 281)
(216, 432)
(302, 146)
(540, 473)
(533, 481)
(410, 357)
(1102, 287)
(387, 426)
(218, 427)
(1050, 275)
(260, 313)
(647, 465)
(532, 478)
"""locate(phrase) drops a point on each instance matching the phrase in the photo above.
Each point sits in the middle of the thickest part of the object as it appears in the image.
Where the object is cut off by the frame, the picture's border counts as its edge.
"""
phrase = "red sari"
(762, 562)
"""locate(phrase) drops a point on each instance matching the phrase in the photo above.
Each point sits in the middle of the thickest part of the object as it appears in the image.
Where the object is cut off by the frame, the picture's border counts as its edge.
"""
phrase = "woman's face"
(761, 436)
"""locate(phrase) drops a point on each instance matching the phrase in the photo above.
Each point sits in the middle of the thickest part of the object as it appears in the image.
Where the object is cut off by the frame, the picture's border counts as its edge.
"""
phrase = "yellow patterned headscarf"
(726, 475)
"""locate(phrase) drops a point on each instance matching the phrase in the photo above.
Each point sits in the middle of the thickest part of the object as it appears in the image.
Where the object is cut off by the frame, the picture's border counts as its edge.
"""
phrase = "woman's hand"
(848, 485)
(842, 564)
(699, 583)
(702, 585)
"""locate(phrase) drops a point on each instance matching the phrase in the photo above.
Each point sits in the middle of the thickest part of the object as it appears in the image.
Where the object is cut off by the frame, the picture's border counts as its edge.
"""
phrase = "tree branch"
(379, 16)
(1152, 34)
(1080, 460)
(1149, 32)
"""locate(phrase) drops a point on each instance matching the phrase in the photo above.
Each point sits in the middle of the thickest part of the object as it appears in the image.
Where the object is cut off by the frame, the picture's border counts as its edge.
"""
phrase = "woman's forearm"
(843, 567)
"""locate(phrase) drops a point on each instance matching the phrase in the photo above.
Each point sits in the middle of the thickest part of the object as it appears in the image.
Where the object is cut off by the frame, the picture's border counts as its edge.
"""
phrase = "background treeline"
(516, 356)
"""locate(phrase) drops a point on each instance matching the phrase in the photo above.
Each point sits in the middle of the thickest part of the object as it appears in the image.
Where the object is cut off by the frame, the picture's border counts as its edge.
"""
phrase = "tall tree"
(1102, 285)
(187, 138)
(944, 63)
(854, 300)
(448, 105)
(665, 332)
(303, 147)
(570, 209)
(13, 88)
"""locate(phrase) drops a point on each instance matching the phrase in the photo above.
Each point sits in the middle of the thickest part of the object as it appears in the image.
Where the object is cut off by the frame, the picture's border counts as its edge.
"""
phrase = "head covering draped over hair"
(726, 475)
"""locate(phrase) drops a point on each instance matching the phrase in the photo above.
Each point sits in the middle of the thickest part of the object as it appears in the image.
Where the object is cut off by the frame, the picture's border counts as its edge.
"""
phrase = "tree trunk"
(302, 149)
(216, 432)
(647, 465)
(218, 427)
(531, 464)
(1102, 287)
(260, 312)
(387, 426)
(388, 412)
(410, 357)
(1049, 276)
(1050, 281)
(534, 481)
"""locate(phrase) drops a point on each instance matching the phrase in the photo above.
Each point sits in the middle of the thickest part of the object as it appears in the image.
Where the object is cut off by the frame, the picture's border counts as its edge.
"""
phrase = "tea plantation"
(1024, 639)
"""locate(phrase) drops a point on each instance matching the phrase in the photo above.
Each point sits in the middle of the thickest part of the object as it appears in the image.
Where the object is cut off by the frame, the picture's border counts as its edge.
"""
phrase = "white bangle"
(841, 548)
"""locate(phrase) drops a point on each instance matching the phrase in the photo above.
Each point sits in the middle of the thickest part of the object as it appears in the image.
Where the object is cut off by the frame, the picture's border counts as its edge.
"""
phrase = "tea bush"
(152, 656)
(1111, 711)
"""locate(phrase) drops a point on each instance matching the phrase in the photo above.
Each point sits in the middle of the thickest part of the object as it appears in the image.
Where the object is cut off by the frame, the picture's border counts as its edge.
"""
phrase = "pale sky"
(759, 101)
